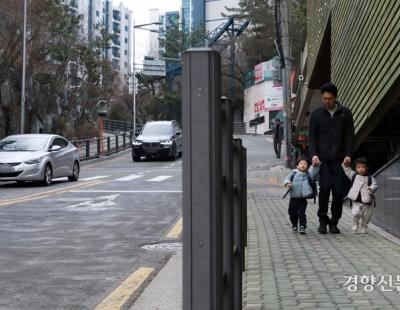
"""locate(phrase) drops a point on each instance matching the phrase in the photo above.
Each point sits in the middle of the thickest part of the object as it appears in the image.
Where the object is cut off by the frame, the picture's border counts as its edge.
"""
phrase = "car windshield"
(157, 130)
(23, 144)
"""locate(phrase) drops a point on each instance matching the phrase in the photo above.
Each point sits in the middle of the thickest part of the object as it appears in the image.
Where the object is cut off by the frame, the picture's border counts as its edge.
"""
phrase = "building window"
(126, 40)
(126, 28)
(126, 53)
(126, 16)
(97, 13)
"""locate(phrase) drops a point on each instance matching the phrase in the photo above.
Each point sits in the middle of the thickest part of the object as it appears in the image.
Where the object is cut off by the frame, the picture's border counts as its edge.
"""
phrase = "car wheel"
(48, 175)
(135, 158)
(75, 173)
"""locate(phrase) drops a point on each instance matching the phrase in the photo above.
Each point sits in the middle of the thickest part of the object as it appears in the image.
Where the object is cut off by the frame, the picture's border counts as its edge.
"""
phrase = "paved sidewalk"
(165, 291)
(286, 270)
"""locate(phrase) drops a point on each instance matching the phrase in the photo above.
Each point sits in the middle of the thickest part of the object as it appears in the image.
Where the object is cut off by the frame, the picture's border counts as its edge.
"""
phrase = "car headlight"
(33, 161)
(166, 142)
(137, 143)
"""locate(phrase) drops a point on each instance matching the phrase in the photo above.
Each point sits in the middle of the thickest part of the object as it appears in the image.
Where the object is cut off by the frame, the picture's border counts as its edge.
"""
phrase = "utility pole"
(134, 81)
(23, 72)
(282, 29)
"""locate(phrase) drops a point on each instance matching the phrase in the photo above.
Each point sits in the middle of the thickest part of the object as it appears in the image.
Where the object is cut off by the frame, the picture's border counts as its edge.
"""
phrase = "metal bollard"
(124, 139)
(98, 147)
(243, 217)
(238, 222)
(202, 180)
(116, 143)
(87, 142)
(227, 200)
(108, 146)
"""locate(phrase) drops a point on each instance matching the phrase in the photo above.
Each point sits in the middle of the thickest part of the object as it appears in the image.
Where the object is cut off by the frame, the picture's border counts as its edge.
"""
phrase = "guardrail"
(113, 126)
(103, 146)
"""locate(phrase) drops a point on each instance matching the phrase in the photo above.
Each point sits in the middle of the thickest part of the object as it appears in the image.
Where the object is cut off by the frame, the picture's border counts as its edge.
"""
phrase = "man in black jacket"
(278, 137)
(331, 139)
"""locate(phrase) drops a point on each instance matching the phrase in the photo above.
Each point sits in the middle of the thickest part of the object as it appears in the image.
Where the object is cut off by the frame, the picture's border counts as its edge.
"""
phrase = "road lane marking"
(97, 204)
(129, 178)
(160, 178)
(124, 191)
(46, 194)
(98, 177)
(176, 230)
(117, 298)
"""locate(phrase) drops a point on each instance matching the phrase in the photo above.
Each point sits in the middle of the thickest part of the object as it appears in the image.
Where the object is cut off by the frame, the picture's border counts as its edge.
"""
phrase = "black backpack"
(354, 177)
(312, 183)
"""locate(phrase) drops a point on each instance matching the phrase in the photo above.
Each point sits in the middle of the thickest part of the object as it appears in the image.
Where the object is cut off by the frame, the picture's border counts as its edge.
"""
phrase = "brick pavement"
(286, 270)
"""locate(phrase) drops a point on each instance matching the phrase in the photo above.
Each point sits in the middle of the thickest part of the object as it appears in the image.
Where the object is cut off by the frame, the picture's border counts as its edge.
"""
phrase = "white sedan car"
(38, 157)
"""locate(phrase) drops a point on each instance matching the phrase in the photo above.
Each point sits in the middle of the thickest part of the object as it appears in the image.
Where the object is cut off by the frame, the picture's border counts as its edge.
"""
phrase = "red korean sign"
(259, 106)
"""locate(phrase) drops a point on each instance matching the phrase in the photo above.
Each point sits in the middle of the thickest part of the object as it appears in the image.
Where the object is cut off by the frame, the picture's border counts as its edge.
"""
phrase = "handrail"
(396, 157)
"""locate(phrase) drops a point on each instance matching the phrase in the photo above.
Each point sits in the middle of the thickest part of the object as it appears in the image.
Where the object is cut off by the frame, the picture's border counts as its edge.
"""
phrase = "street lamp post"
(23, 72)
(134, 66)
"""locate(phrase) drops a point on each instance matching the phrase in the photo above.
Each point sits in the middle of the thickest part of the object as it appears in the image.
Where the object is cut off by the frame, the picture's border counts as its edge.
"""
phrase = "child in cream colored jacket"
(361, 194)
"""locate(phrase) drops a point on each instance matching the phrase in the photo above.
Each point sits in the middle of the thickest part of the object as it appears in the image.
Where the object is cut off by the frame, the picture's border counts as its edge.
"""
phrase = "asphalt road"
(70, 245)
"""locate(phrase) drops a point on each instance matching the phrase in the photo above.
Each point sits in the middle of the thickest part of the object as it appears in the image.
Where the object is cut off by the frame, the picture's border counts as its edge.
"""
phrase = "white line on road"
(95, 178)
(124, 192)
(129, 178)
(160, 178)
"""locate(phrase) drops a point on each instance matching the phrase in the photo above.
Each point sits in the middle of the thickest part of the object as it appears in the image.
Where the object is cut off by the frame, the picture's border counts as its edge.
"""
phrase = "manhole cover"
(165, 246)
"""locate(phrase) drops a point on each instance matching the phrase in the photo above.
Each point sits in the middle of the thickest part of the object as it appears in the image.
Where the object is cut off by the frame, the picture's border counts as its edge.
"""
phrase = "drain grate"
(165, 246)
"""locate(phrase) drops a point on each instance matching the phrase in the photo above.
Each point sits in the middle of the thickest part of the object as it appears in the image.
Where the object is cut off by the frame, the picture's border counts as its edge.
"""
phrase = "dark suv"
(161, 139)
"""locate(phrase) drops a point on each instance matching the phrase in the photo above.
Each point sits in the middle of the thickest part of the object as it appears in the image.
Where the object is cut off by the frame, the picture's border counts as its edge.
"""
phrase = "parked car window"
(22, 144)
(60, 142)
(157, 129)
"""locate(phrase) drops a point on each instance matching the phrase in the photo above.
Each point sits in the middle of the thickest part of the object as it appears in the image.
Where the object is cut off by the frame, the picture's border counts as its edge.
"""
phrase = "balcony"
(116, 41)
(116, 27)
(117, 16)
(116, 53)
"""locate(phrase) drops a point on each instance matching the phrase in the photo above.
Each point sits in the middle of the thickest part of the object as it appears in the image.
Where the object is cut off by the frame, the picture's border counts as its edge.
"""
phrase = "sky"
(141, 15)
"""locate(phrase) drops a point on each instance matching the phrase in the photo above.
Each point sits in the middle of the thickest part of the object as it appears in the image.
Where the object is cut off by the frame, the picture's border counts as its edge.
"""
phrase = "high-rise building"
(186, 15)
(167, 22)
(102, 14)
(205, 13)
(154, 41)
(118, 20)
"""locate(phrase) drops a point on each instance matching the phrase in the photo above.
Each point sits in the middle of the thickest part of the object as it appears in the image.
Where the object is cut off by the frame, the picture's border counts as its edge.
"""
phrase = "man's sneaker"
(333, 229)
(294, 228)
(322, 229)
(354, 228)
(302, 230)
(363, 230)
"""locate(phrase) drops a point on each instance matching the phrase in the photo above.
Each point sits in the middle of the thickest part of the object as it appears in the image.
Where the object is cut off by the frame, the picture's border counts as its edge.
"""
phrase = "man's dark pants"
(297, 211)
(277, 147)
(331, 178)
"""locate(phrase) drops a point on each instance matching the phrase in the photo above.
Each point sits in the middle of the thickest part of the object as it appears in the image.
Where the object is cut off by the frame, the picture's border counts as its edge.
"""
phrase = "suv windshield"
(154, 129)
(22, 144)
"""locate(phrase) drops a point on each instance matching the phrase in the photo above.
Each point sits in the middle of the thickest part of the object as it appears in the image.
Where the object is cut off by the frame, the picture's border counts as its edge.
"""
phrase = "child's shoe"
(363, 230)
(294, 228)
(355, 225)
(302, 230)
